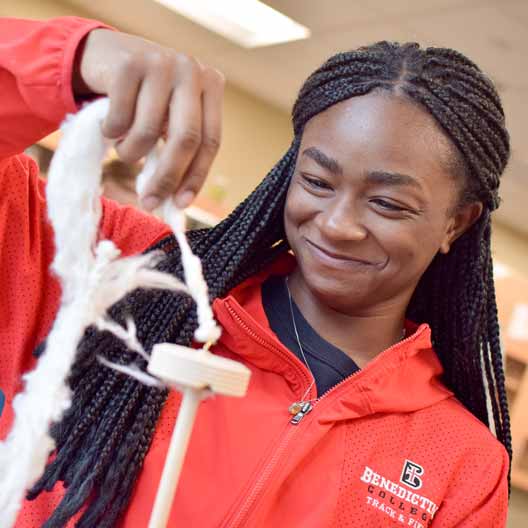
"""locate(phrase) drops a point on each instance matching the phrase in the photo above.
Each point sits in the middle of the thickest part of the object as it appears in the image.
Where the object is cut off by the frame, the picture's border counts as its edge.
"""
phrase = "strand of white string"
(93, 278)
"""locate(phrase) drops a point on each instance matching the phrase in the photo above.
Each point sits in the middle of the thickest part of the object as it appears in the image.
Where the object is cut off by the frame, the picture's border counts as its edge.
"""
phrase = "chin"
(338, 294)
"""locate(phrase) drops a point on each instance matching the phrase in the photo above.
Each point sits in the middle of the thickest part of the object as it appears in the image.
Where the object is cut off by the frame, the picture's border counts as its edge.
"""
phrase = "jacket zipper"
(252, 497)
(307, 407)
(257, 488)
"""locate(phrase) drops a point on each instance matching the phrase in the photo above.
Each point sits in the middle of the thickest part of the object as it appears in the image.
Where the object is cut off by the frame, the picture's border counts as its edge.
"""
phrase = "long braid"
(114, 415)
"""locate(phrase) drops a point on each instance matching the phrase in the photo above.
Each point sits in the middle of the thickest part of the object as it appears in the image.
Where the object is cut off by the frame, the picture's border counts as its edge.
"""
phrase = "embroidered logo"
(399, 502)
(411, 474)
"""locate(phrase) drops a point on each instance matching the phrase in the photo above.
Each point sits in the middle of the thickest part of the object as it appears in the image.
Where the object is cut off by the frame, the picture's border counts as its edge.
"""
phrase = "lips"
(333, 257)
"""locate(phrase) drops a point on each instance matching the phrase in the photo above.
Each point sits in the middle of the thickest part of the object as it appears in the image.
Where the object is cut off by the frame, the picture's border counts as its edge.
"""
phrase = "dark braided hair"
(105, 435)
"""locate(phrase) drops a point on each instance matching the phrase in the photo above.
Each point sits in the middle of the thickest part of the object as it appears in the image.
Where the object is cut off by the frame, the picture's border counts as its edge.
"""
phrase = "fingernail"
(184, 199)
(150, 202)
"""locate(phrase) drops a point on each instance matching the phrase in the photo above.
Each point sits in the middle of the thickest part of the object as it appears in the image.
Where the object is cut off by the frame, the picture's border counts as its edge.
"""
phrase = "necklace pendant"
(295, 408)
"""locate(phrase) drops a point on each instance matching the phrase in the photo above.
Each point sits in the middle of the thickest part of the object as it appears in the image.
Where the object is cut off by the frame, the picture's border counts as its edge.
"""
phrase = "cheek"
(297, 210)
(414, 248)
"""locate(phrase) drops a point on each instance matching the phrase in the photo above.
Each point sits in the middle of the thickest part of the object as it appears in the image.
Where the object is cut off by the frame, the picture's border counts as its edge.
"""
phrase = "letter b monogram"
(411, 474)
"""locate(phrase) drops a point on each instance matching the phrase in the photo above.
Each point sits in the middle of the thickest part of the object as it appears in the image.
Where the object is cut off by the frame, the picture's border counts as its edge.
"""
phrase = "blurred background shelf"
(512, 295)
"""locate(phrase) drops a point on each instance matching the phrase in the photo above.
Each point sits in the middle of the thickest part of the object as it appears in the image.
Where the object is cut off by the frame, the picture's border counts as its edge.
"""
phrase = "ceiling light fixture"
(249, 23)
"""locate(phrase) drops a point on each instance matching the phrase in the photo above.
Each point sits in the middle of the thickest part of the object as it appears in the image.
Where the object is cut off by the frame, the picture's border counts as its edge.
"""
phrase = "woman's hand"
(155, 91)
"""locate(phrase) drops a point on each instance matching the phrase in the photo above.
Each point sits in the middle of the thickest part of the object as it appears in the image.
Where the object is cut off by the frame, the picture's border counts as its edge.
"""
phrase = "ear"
(459, 223)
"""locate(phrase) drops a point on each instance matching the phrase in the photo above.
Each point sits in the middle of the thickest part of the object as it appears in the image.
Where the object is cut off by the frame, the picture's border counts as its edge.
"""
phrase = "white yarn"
(208, 330)
(128, 336)
(93, 277)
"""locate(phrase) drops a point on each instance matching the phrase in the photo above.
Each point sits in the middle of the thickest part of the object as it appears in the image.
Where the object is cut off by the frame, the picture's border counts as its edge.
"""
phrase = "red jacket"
(389, 446)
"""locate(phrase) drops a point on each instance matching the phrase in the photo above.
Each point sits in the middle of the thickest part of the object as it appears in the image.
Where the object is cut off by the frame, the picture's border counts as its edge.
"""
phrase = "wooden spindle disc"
(199, 369)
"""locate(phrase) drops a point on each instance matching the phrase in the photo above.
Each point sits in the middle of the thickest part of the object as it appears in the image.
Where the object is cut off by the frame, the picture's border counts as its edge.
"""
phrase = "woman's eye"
(388, 205)
(315, 182)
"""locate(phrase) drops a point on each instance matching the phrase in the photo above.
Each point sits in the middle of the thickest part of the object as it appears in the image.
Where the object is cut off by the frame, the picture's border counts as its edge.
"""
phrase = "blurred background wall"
(262, 85)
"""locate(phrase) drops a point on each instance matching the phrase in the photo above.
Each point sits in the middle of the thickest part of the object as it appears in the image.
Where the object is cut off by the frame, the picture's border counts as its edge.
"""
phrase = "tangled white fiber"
(93, 278)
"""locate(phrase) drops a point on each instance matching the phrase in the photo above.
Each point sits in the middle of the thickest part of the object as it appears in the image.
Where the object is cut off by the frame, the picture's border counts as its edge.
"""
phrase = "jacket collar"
(403, 378)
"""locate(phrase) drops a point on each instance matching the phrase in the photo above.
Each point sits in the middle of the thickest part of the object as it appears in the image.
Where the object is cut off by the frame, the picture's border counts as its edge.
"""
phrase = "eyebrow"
(392, 178)
(373, 177)
(323, 160)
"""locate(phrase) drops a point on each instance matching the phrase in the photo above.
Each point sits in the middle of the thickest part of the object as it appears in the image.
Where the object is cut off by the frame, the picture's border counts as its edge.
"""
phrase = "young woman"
(373, 343)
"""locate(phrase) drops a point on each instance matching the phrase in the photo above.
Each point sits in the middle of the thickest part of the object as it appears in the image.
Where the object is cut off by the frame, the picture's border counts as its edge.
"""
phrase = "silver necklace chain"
(302, 407)
(299, 343)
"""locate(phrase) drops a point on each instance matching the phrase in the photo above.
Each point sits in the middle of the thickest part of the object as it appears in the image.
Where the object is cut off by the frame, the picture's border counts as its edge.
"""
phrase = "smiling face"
(371, 202)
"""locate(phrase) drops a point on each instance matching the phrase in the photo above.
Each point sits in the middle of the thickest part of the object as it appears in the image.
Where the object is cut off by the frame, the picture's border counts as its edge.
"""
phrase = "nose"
(341, 222)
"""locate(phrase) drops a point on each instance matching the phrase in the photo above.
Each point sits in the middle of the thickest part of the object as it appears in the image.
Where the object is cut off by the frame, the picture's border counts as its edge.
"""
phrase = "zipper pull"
(299, 410)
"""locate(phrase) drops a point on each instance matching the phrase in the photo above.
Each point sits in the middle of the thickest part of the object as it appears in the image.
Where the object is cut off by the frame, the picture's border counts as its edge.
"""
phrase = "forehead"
(382, 130)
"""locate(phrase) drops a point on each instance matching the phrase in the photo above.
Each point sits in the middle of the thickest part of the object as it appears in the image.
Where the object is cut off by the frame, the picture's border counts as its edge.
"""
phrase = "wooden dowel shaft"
(175, 457)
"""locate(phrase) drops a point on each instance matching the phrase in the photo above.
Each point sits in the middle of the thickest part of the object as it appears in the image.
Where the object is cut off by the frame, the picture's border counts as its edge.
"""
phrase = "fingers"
(147, 127)
(122, 93)
(183, 140)
(212, 99)
(157, 93)
(193, 138)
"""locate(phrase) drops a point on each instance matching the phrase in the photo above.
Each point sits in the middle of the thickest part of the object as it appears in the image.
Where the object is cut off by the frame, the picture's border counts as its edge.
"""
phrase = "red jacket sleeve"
(36, 61)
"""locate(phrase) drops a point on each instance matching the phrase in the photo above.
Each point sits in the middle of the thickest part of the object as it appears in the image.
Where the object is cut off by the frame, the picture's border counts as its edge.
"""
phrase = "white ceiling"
(494, 33)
